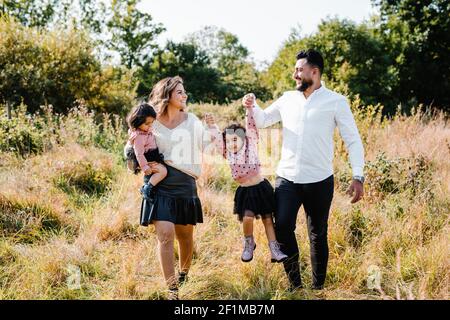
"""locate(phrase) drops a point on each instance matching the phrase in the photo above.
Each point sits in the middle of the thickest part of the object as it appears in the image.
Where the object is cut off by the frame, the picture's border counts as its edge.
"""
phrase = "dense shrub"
(27, 134)
(85, 177)
(20, 135)
(389, 176)
(19, 138)
(29, 220)
(58, 68)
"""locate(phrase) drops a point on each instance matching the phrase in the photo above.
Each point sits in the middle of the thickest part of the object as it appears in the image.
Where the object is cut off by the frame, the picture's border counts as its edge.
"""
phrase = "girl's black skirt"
(176, 199)
(255, 201)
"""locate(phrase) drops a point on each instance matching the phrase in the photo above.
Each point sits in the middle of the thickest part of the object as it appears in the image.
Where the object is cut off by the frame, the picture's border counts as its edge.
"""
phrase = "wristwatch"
(359, 178)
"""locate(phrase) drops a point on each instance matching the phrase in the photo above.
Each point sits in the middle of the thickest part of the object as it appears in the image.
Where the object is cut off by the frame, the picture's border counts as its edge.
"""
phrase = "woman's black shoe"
(182, 278)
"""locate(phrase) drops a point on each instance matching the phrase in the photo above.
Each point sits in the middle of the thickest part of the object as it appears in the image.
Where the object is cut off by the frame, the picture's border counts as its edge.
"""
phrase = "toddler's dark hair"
(139, 114)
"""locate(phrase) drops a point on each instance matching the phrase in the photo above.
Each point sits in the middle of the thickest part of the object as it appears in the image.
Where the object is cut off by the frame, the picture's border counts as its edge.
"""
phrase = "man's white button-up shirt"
(308, 129)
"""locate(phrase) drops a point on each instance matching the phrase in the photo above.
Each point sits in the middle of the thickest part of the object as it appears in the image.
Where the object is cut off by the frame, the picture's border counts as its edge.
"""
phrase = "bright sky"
(261, 25)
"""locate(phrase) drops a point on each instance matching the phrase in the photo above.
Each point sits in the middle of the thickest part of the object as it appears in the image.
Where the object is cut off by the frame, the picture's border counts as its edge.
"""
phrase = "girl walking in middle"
(254, 198)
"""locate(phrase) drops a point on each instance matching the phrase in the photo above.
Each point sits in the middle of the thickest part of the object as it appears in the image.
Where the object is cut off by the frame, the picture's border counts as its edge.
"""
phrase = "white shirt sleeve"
(269, 116)
(350, 134)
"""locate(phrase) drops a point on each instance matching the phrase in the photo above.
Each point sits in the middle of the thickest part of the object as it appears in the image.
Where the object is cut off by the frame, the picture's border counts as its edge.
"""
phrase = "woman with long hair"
(181, 138)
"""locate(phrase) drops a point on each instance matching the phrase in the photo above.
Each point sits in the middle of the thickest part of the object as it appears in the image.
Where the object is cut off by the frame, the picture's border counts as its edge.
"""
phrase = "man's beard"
(305, 85)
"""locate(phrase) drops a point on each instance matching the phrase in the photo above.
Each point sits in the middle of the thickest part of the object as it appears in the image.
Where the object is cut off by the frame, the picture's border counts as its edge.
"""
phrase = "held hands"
(249, 100)
(153, 168)
(209, 119)
(356, 190)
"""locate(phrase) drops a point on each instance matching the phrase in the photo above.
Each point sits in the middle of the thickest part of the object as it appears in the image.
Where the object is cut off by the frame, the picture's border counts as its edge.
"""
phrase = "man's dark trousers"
(316, 199)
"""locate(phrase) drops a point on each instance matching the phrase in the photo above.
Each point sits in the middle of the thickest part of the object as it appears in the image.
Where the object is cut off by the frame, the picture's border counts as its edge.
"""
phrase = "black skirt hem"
(176, 199)
(181, 211)
(259, 199)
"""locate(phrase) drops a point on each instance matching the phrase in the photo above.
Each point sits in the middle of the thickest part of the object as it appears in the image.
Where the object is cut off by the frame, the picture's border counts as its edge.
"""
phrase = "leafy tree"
(223, 48)
(232, 60)
(186, 60)
(38, 67)
(93, 15)
(118, 25)
(401, 56)
(30, 13)
(132, 32)
(355, 61)
(49, 14)
(417, 35)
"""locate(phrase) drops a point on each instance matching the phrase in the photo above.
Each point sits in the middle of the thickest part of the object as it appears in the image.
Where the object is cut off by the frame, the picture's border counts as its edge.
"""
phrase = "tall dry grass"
(69, 221)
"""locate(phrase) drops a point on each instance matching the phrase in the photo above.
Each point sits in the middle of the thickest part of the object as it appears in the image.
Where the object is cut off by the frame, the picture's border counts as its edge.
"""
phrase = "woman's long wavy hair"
(160, 95)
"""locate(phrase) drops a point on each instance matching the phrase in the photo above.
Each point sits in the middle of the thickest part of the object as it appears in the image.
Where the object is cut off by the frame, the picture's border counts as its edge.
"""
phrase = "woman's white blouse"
(184, 145)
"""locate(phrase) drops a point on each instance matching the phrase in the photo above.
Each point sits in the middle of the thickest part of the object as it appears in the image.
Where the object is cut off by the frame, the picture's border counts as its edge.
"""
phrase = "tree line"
(400, 57)
(105, 55)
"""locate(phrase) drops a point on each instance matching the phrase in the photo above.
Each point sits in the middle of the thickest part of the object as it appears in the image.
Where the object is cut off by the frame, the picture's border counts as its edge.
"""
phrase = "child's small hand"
(209, 119)
(249, 100)
(154, 166)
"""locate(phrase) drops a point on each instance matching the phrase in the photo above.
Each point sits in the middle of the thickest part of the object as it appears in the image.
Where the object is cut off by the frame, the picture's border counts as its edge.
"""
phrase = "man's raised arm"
(263, 118)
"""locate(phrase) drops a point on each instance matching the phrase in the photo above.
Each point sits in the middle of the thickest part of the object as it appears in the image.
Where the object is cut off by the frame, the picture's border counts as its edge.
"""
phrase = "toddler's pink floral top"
(244, 164)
